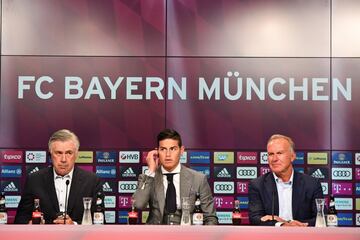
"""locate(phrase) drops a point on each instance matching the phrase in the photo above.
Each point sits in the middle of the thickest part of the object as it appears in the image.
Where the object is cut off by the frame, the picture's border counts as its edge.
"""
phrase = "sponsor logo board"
(129, 156)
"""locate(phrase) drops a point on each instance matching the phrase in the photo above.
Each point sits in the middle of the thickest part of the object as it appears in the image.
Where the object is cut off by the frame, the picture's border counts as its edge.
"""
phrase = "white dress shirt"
(284, 190)
(60, 187)
(176, 181)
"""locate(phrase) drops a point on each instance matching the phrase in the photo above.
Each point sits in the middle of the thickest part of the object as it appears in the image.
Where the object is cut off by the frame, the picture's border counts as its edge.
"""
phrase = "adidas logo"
(318, 174)
(11, 187)
(36, 169)
(129, 173)
(106, 187)
(224, 173)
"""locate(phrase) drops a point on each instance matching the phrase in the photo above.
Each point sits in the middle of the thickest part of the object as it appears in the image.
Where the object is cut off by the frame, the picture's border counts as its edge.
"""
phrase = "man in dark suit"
(283, 197)
(50, 184)
(154, 187)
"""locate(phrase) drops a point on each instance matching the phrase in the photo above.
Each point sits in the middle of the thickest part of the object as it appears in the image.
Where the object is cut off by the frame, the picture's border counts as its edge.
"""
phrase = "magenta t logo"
(224, 202)
(342, 189)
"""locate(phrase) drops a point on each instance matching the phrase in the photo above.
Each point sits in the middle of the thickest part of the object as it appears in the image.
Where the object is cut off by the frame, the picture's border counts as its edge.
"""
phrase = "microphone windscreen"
(67, 182)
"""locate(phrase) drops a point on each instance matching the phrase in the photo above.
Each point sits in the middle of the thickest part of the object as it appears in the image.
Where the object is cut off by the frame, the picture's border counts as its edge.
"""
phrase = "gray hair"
(279, 136)
(64, 135)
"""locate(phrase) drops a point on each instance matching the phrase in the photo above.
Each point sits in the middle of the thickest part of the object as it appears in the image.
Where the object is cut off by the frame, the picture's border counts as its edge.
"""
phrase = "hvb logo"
(129, 156)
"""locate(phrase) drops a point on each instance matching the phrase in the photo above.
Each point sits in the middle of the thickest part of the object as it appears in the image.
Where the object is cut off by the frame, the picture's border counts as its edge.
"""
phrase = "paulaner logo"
(342, 158)
(105, 157)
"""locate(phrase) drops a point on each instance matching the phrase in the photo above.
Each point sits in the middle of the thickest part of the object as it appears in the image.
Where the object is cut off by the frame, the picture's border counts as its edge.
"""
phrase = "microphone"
(66, 198)
(272, 205)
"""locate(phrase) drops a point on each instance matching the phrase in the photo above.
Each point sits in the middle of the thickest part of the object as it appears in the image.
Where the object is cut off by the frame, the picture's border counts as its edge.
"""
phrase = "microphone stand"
(66, 196)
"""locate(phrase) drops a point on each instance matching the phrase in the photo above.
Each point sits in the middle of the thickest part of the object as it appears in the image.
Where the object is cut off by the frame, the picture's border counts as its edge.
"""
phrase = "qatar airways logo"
(232, 87)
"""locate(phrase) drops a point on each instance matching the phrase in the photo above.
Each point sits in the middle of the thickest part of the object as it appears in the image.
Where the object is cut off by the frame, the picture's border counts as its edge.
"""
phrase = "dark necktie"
(170, 201)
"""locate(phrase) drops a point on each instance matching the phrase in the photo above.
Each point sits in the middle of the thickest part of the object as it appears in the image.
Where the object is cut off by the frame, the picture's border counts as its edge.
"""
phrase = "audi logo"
(246, 172)
(128, 186)
(224, 187)
(341, 173)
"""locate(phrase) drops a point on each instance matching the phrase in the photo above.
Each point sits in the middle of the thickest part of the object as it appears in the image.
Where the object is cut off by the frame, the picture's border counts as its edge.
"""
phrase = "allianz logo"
(318, 174)
(11, 187)
(106, 187)
(224, 173)
(104, 171)
(11, 171)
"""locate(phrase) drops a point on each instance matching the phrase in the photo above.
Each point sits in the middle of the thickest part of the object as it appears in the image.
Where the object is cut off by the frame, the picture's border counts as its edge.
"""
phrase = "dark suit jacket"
(41, 185)
(305, 190)
(151, 191)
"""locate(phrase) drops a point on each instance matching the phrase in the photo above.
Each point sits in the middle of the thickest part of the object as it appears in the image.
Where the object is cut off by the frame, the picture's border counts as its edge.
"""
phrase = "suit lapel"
(50, 186)
(159, 190)
(271, 192)
(74, 190)
(297, 188)
(185, 182)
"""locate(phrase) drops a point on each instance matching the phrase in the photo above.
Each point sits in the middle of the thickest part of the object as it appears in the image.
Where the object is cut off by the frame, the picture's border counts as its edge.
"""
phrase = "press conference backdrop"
(226, 74)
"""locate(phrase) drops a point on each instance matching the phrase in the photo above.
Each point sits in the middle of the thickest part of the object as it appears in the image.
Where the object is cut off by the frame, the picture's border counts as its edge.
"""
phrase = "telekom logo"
(242, 187)
(224, 202)
(337, 187)
(124, 201)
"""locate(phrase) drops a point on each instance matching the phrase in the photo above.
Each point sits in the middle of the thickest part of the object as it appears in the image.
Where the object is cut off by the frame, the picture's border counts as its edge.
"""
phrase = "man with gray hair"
(283, 197)
(52, 185)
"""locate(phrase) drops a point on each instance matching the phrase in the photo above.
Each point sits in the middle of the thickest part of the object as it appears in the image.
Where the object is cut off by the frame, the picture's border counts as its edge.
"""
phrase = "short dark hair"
(169, 134)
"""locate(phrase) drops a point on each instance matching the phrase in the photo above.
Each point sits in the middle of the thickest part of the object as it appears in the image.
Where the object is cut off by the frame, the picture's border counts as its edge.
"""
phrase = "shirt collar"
(67, 176)
(176, 170)
(278, 180)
